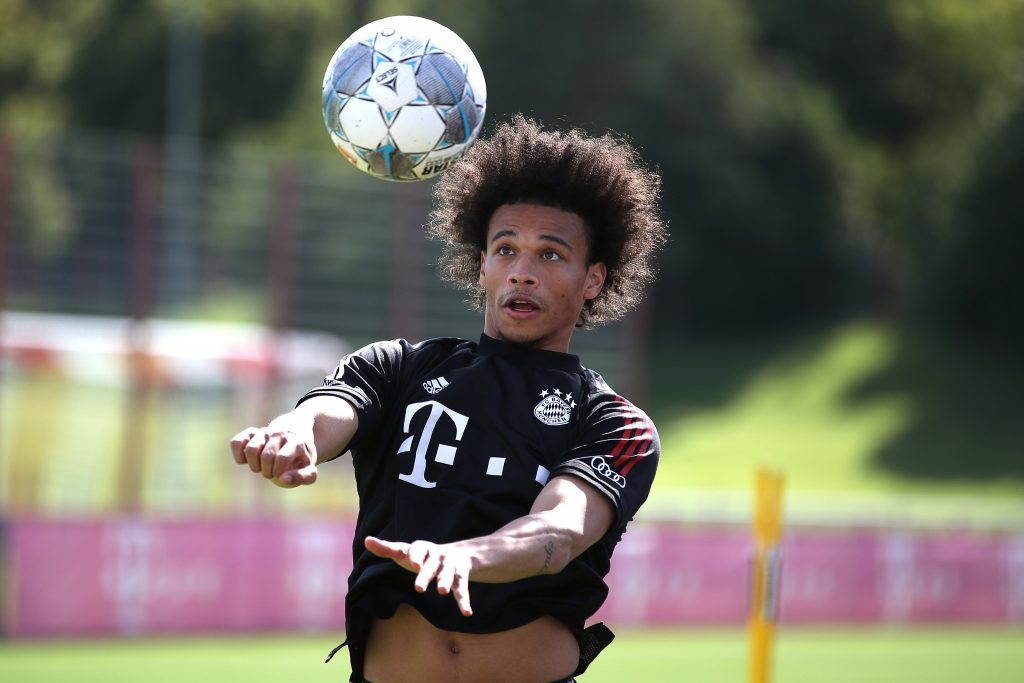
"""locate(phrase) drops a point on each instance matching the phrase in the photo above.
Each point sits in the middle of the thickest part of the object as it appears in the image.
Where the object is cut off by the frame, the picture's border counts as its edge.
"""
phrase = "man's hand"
(280, 455)
(449, 564)
(568, 516)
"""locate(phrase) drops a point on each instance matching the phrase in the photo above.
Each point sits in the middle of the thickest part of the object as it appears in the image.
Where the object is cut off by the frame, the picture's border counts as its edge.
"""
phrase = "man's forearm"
(566, 518)
(539, 543)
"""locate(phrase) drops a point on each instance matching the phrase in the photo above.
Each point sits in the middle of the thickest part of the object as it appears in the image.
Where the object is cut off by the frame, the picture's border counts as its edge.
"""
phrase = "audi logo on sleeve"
(602, 467)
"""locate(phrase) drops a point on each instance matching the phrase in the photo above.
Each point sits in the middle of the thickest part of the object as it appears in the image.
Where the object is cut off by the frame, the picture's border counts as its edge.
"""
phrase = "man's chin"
(514, 336)
(518, 334)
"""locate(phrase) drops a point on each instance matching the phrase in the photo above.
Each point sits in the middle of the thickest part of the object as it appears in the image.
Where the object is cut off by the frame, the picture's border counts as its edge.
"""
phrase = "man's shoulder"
(595, 386)
(601, 397)
(435, 350)
(441, 345)
(413, 357)
(404, 348)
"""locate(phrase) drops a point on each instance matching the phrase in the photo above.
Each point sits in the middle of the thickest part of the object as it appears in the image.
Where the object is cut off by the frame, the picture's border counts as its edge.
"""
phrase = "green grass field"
(693, 656)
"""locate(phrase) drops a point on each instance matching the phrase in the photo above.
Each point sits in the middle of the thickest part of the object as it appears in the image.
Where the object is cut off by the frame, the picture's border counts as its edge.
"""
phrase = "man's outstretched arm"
(567, 517)
(288, 449)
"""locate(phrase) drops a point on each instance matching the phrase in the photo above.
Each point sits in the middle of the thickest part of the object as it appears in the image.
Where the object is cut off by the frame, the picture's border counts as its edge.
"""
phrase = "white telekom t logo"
(445, 453)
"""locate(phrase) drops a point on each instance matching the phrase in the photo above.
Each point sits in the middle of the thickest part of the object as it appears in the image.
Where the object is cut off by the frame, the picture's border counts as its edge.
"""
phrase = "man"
(494, 478)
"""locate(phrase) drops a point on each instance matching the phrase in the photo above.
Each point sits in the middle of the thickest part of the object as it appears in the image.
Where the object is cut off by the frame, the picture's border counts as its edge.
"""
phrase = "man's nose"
(521, 271)
(521, 276)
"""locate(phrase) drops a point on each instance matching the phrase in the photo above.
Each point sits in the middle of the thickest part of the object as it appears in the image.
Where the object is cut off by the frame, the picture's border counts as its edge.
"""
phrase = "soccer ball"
(403, 98)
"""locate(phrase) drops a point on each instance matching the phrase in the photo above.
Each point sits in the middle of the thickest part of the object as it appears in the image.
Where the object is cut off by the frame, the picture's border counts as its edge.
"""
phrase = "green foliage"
(33, 78)
(924, 92)
(105, 63)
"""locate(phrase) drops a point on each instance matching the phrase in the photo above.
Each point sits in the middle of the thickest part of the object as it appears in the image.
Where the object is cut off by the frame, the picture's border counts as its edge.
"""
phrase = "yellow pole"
(764, 607)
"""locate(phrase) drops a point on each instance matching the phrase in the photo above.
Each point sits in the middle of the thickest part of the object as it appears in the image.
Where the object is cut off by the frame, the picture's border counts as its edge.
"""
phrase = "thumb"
(300, 477)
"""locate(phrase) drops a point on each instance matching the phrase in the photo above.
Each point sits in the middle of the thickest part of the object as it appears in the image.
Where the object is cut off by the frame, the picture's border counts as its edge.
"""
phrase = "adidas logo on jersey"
(435, 385)
(555, 407)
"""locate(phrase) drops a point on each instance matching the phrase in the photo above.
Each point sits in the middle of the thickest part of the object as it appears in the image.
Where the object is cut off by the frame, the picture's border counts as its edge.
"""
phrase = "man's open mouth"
(521, 304)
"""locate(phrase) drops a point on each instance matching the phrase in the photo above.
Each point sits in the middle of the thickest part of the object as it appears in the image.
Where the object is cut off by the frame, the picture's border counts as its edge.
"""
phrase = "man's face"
(535, 273)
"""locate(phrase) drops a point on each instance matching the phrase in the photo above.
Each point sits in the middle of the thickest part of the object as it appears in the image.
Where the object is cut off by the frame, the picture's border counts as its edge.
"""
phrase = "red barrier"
(94, 578)
(682, 576)
(97, 578)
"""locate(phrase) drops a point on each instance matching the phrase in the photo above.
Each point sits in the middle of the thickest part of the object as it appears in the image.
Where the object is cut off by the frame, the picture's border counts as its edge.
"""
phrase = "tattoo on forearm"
(549, 550)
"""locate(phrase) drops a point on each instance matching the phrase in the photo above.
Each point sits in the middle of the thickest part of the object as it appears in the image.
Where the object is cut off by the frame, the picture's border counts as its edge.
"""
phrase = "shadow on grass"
(965, 403)
(967, 410)
(696, 376)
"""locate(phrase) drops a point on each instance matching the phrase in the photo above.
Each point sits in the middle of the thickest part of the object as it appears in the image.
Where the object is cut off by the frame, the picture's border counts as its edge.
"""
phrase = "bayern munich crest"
(555, 407)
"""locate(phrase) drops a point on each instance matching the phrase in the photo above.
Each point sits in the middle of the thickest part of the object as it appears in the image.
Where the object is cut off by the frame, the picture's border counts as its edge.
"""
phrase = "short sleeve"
(617, 452)
(367, 378)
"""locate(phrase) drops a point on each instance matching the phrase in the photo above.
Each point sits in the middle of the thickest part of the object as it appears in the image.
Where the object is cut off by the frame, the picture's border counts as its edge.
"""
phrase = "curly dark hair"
(601, 179)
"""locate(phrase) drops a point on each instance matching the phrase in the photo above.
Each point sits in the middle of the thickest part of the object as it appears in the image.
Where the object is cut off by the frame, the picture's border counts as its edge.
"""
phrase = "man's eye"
(504, 250)
(552, 255)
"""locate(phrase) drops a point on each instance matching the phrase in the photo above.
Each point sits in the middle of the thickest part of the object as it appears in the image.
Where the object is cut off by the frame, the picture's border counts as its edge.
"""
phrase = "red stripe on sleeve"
(627, 436)
(635, 459)
(641, 436)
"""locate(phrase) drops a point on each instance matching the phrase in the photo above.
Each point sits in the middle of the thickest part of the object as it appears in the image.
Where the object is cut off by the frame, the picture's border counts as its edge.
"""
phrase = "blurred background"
(183, 253)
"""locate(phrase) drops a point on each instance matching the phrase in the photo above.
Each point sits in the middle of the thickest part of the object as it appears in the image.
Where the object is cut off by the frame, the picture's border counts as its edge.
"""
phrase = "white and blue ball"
(404, 98)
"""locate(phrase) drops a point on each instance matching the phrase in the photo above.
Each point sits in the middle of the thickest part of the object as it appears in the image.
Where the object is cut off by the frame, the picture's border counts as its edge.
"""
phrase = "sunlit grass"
(802, 656)
(789, 413)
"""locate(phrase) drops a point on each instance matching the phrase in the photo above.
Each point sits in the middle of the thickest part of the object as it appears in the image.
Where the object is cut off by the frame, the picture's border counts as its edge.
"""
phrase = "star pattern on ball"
(401, 104)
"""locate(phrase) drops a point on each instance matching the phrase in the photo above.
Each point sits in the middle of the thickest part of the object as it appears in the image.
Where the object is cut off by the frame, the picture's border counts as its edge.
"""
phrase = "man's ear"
(482, 260)
(596, 274)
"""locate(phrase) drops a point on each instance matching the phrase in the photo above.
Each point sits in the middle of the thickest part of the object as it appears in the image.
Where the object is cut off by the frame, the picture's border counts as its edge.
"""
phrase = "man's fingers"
(254, 449)
(445, 578)
(428, 570)
(284, 459)
(291, 455)
(282, 456)
(387, 549)
(461, 591)
(238, 442)
(269, 456)
(418, 553)
(300, 477)
(429, 561)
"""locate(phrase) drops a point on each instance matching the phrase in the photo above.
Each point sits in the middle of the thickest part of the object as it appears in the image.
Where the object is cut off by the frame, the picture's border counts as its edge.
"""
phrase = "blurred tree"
(888, 63)
(39, 45)
(104, 63)
(819, 158)
(922, 90)
(977, 280)
(752, 193)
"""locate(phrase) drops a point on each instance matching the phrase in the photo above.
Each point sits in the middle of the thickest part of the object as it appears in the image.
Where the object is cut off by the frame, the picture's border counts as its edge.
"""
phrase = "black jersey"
(456, 439)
